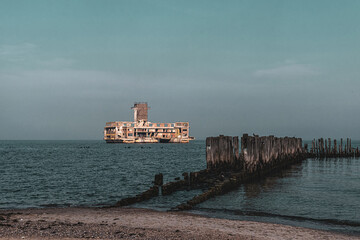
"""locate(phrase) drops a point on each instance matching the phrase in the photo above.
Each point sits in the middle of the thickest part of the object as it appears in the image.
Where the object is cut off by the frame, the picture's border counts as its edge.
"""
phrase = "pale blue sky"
(229, 67)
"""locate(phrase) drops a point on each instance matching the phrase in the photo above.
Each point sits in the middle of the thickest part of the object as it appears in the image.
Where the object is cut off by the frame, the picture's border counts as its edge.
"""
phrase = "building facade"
(143, 131)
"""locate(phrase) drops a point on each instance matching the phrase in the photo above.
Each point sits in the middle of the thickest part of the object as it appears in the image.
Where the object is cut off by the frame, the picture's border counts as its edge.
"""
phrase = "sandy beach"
(130, 223)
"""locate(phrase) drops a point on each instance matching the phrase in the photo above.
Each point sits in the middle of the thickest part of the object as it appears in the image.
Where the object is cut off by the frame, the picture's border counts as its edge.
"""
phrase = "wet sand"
(130, 223)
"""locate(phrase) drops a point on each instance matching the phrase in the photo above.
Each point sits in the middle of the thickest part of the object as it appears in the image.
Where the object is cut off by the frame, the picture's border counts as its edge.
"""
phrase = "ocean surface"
(320, 194)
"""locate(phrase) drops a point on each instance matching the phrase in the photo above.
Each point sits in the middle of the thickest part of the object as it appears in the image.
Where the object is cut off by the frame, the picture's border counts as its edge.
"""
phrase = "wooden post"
(326, 147)
(212, 152)
(158, 179)
(335, 147)
(236, 148)
(314, 151)
(313, 146)
(341, 146)
(346, 147)
(231, 156)
(209, 153)
(244, 142)
(222, 146)
(350, 146)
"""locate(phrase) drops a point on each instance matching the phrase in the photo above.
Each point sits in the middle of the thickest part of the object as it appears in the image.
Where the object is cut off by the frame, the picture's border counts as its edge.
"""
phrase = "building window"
(124, 124)
(130, 134)
(158, 124)
(165, 125)
(172, 125)
(132, 124)
(150, 125)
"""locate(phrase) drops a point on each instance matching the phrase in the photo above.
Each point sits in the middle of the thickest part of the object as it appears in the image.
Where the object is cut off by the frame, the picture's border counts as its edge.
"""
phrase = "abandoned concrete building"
(143, 131)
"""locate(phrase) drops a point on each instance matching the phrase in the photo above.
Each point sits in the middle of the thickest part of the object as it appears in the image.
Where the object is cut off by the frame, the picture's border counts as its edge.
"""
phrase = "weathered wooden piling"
(158, 179)
(259, 156)
(322, 146)
(329, 152)
(341, 146)
(326, 146)
(256, 152)
(236, 148)
(259, 152)
(171, 187)
(150, 193)
(220, 152)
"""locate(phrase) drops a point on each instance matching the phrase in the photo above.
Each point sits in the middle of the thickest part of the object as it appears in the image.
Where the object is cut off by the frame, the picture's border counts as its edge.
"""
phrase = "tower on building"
(140, 111)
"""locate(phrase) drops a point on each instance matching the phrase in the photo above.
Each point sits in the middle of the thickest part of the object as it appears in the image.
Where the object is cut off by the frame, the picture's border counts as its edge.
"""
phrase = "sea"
(316, 193)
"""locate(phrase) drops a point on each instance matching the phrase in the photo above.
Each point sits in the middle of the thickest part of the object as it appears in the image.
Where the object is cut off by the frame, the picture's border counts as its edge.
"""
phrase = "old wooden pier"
(325, 149)
(228, 165)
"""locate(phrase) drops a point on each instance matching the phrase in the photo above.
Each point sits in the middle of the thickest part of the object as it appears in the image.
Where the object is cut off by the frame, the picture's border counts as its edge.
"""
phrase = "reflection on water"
(256, 187)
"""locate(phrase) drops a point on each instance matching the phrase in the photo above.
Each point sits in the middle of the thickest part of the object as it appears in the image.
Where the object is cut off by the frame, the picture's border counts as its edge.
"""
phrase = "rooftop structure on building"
(143, 131)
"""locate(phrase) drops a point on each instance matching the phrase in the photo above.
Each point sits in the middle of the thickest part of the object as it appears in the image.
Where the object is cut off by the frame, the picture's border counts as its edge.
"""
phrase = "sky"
(279, 67)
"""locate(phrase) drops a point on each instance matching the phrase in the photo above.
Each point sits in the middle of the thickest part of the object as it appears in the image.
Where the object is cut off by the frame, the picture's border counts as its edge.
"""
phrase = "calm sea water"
(321, 194)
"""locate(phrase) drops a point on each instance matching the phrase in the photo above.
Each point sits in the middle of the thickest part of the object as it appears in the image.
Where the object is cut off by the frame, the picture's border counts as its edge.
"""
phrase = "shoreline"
(137, 223)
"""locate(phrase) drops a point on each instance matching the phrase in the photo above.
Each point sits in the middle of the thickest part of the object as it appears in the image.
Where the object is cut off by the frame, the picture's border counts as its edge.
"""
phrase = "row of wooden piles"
(259, 156)
(256, 152)
(326, 148)
(230, 164)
